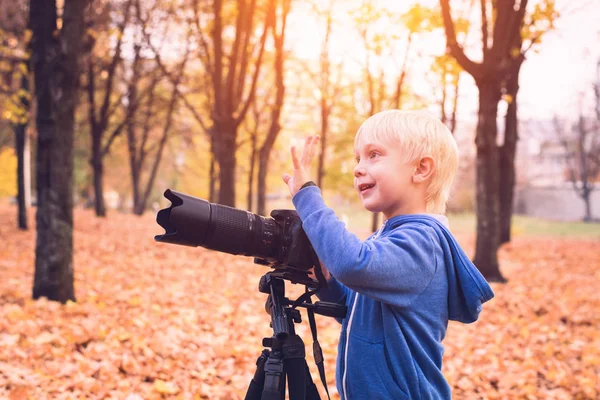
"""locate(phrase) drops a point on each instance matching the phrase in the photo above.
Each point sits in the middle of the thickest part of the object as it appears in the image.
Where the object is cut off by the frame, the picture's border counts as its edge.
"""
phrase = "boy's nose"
(359, 170)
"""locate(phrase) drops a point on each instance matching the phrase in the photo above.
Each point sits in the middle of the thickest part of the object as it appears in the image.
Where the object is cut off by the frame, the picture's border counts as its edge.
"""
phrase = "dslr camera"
(278, 242)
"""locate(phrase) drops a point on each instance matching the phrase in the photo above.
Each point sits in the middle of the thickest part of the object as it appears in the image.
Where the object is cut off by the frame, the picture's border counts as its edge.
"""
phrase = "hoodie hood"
(442, 218)
(467, 288)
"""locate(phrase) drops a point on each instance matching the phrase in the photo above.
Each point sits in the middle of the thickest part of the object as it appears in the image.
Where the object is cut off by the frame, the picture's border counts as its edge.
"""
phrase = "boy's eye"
(357, 160)
(373, 154)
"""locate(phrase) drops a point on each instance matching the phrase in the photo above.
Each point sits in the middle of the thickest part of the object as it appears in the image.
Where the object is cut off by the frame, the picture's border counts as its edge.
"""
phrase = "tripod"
(287, 357)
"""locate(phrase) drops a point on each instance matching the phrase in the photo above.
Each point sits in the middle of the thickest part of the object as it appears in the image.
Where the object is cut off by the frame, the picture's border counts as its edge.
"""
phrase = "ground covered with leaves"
(156, 321)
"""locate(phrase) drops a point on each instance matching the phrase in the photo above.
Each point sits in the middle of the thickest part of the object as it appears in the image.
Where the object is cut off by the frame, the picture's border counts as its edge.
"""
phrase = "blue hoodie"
(401, 286)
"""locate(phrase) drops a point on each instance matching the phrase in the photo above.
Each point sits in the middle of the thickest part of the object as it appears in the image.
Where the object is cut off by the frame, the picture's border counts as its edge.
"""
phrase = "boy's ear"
(424, 169)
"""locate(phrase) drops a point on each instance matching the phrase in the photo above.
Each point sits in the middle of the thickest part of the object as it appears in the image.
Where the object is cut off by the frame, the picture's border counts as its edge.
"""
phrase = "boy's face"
(383, 180)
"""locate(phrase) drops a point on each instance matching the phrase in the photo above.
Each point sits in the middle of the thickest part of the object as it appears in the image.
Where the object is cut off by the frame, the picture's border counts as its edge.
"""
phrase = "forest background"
(106, 104)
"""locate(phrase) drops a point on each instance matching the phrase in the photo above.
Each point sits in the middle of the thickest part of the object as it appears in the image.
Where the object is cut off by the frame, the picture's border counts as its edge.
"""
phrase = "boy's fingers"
(295, 158)
(286, 178)
(313, 149)
(306, 151)
(311, 143)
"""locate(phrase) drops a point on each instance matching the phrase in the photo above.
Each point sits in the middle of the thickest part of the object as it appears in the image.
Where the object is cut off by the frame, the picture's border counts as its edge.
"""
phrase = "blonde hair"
(418, 134)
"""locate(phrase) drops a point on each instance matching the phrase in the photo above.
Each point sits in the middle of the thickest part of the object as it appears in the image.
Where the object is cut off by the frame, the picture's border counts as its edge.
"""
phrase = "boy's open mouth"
(363, 187)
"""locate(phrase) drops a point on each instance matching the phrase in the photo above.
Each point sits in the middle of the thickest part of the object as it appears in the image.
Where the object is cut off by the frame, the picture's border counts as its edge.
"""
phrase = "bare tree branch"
(452, 45)
(104, 114)
(172, 79)
(205, 55)
(218, 49)
(248, 51)
(252, 90)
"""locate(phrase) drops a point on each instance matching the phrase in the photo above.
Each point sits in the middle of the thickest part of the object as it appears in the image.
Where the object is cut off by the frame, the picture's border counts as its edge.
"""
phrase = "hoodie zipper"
(345, 397)
(346, 349)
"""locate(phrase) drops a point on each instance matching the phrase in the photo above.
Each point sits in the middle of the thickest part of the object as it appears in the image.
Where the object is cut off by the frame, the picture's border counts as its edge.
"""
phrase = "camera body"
(294, 249)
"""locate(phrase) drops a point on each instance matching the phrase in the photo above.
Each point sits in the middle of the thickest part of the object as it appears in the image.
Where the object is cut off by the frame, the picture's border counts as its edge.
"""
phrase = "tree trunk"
(586, 175)
(213, 173)
(55, 65)
(588, 206)
(507, 153)
(263, 158)
(212, 190)
(263, 167)
(325, 111)
(133, 164)
(444, 95)
(142, 203)
(251, 173)
(232, 98)
(225, 149)
(455, 104)
(139, 206)
(327, 100)
(98, 171)
(23, 167)
(486, 258)
(497, 66)
(99, 117)
(274, 127)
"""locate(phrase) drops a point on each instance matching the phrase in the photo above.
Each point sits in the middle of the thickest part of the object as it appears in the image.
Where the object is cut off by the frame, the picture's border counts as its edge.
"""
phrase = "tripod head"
(284, 312)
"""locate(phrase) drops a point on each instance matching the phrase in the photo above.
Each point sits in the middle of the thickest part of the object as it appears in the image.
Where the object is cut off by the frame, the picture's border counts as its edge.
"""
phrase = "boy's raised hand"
(301, 173)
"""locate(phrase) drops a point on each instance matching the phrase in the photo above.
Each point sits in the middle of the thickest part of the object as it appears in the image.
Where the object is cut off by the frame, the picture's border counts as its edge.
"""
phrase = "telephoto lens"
(191, 221)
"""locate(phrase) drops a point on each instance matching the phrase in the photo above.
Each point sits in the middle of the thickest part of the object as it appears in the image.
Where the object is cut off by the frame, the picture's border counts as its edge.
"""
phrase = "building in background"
(543, 188)
(543, 185)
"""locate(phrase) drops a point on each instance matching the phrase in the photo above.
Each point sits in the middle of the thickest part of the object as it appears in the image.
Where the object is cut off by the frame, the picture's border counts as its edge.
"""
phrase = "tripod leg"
(296, 373)
(274, 386)
(256, 384)
(301, 385)
(311, 389)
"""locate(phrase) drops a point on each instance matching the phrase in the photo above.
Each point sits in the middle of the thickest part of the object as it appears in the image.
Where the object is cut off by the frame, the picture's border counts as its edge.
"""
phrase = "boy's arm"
(335, 292)
(394, 269)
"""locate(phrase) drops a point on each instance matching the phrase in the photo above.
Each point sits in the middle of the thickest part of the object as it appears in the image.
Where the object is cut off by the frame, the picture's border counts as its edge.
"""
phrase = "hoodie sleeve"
(394, 269)
(334, 293)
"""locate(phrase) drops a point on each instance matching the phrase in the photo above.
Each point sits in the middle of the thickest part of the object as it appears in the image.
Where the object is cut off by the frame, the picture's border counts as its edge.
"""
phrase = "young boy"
(406, 281)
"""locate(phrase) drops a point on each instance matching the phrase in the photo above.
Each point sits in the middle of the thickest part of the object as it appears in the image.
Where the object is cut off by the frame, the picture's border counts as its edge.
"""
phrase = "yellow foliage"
(13, 109)
(28, 34)
(419, 19)
(163, 387)
(508, 98)
(23, 68)
(8, 173)
(540, 20)
(93, 33)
